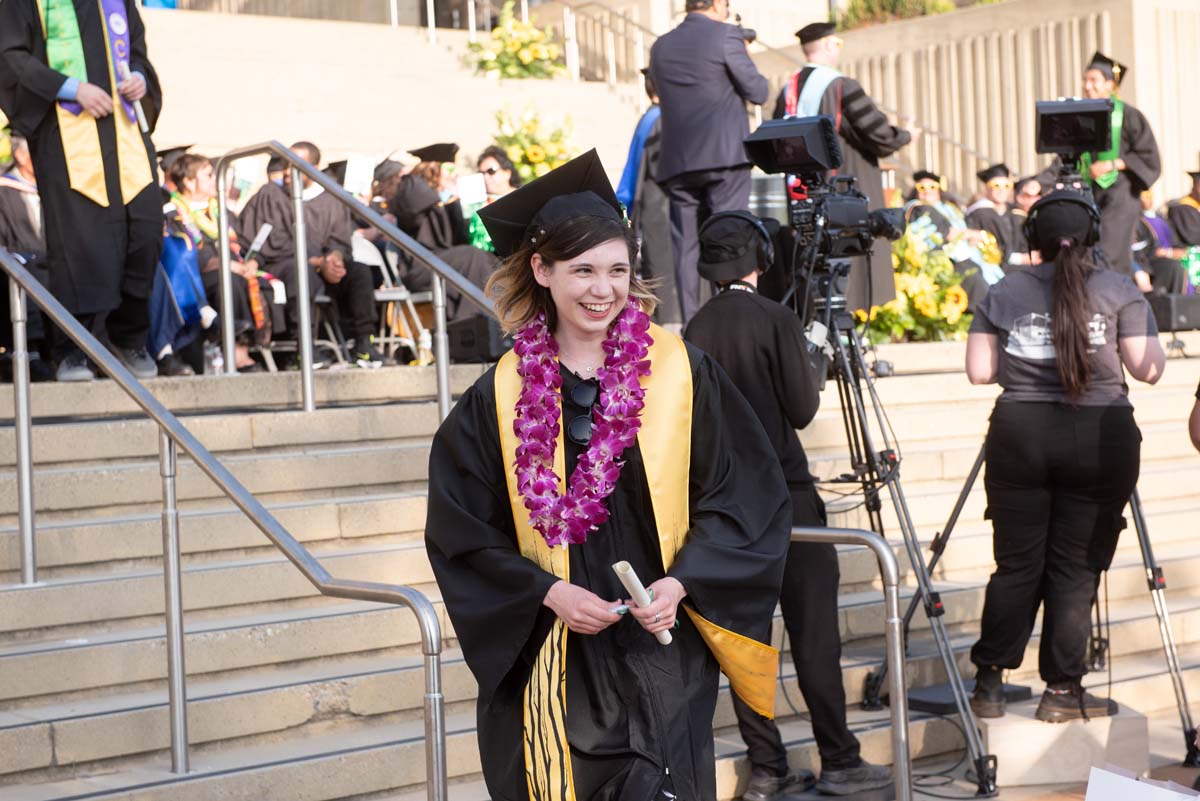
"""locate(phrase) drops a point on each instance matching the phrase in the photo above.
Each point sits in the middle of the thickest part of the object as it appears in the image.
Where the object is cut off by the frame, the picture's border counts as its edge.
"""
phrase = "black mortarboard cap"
(579, 188)
(995, 171)
(926, 175)
(169, 155)
(1114, 70)
(441, 152)
(337, 171)
(816, 30)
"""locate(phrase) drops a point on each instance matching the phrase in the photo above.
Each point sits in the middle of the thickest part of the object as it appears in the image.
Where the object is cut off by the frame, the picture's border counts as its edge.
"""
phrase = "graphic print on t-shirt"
(1032, 336)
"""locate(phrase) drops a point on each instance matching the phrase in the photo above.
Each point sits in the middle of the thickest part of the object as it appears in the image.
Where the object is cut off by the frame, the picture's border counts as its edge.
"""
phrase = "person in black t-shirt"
(1062, 449)
(761, 345)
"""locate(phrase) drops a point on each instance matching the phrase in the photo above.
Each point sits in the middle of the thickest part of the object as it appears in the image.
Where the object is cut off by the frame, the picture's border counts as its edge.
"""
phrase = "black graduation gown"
(1121, 205)
(1017, 242)
(650, 217)
(17, 234)
(96, 254)
(866, 136)
(271, 204)
(634, 708)
(1185, 224)
(418, 214)
(998, 224)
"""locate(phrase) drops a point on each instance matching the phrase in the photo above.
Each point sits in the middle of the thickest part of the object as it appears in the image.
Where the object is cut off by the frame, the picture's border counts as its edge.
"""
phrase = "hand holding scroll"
(654, 607)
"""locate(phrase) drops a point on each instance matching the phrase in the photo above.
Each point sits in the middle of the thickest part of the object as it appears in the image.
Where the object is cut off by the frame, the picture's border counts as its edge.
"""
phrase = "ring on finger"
(657, 617)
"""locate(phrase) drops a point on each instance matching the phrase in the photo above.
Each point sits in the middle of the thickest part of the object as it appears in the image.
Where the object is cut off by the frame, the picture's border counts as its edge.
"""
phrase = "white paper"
(360, 172)
(633, 585)
(1104, 785)
(471, 190)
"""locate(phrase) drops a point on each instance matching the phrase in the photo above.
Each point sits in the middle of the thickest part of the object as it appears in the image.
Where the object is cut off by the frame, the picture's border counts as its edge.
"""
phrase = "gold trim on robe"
(665, 443)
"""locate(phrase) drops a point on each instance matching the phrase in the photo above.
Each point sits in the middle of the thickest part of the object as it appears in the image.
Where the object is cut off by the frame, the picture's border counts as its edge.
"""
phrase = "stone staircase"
(296, 696)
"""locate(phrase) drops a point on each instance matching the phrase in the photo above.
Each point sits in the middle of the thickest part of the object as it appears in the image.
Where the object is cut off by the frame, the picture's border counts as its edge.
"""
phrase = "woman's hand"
(583, 611)
(666, 593)
(95, 101)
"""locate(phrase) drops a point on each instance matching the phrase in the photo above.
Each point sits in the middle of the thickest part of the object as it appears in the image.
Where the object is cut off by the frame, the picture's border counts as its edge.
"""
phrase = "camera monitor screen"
(796, 146)
(1073, 127)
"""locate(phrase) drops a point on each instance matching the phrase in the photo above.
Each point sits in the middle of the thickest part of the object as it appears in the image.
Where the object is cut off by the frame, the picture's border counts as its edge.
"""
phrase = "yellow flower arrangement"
(516, 50)
(533, 147)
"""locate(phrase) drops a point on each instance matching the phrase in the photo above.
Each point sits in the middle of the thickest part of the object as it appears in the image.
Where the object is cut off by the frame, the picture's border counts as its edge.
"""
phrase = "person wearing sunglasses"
(1026, 192)
(599, 439)
(499, 178)
(988, 212)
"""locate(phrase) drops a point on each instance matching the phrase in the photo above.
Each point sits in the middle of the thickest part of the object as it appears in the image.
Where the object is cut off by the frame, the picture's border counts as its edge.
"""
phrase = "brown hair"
(430, 172)
(1072, 314)
(519, 297)
(187, 166)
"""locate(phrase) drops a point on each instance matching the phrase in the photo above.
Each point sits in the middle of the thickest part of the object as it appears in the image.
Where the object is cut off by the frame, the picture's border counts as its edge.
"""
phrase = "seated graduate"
(1157, 265)
(988, 213)
(601, 438)
(1026, 192)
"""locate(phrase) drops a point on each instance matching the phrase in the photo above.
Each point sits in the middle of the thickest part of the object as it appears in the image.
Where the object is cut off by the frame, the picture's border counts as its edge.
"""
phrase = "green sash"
(1085, 164)
(64, 47)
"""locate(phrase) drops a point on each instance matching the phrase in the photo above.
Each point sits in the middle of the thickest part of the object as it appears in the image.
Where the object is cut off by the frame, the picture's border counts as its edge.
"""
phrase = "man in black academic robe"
(761, 345)
(97, 180)
(21, 234)
(866, 137)
(421, 216)
(1135, 163)
(328, 229)
(1183, 215)
(989, 213)
(1026, 192)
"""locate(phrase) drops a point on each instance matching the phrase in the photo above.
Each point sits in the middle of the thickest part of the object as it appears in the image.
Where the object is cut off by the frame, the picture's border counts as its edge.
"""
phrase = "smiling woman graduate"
(601, 438)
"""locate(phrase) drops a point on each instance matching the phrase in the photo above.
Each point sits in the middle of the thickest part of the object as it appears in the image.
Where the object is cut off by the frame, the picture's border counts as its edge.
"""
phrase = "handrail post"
(889, 571)
(435, 727)
(176, 672)
(304, 301)
(23, 430)
(441, 347)
(227, 335)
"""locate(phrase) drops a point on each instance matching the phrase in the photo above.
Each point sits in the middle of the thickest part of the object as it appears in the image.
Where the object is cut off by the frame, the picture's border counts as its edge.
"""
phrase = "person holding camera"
(865, 134)
(762, 347)
(1062, 449)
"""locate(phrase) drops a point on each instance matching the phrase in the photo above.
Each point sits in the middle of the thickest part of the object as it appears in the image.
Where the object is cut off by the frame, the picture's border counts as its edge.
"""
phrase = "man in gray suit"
(704, 77)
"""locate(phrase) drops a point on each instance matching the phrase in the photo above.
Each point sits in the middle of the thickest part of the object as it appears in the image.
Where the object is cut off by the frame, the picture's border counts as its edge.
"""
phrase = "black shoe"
(850, 781)
(1065, 701)
(988, 699)
(74, 367)
(765, 787)
(172, 365)
(137, 361)
(368, 356)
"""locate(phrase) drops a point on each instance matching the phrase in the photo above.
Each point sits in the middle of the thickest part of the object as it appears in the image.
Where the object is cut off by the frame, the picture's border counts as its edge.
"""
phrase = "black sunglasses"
(490, 171)
(584, 395)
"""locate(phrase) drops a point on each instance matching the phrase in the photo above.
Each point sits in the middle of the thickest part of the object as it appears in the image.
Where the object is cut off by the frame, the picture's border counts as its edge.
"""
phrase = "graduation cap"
(994, 171)
(442, 152)
(1113, 70)
(337, 171)
(926, 175)
(169, 155)
(578, 188)
(816, 30)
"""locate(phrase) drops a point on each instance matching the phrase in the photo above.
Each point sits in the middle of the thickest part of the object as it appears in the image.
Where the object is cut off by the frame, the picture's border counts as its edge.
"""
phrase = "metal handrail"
(889, 571)
(172, 434)
(442, 272)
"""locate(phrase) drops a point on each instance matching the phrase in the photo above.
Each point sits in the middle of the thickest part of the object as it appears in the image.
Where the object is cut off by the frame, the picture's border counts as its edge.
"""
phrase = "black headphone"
(1064, 196)
(766, 245)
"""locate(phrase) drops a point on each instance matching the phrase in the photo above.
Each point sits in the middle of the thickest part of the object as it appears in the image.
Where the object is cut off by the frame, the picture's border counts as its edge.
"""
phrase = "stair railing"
(173, 435)
(889, 572)
(420, 255)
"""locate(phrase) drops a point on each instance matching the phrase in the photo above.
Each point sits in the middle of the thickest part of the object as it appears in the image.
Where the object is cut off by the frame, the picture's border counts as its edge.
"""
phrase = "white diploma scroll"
(124, 75)
(633, 585)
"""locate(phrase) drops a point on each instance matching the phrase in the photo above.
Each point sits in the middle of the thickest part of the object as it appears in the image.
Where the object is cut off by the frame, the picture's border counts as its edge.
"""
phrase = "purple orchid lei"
(568, 519)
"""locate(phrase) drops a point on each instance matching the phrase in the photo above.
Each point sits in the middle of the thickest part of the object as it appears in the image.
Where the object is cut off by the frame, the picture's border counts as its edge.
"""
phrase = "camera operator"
(865, 133)
(761, 345)
(1062, 449)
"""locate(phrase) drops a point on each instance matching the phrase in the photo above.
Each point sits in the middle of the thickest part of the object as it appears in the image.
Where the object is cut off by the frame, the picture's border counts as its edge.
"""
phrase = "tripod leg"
(1158, 584)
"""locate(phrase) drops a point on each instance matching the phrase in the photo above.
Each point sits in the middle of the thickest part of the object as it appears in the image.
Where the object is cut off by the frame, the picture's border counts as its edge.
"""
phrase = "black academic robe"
(650, 217)
(419, 215)
(271, 204)
(18, 233)
(635, 709)
(1017, 243)
(1121, 205)
(1184, 220)
(866, 136)
(996, 223)
(96, 254)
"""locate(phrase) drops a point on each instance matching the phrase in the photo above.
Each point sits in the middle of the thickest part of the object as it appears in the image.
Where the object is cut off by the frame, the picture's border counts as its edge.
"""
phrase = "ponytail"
(1072, 314)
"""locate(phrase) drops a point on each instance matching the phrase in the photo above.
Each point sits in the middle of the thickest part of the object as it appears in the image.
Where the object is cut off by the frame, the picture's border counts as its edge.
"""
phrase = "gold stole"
(81, 142)
(665, 443)
(1188, 200)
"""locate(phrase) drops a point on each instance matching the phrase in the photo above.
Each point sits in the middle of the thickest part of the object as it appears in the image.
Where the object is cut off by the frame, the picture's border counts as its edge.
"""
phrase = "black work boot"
(852, 781)
(1065, 701)
(764, 786)
(988, 699)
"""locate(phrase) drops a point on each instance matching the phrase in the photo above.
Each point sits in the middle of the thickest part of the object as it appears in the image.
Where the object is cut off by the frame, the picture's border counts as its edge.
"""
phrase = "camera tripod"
(1155, 581)
(874, 468)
